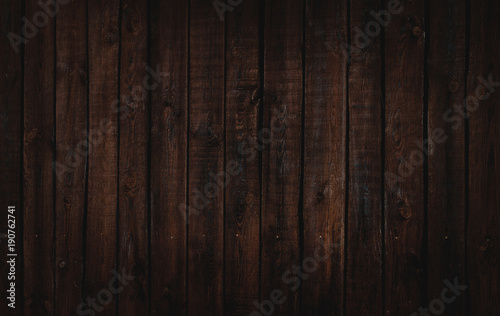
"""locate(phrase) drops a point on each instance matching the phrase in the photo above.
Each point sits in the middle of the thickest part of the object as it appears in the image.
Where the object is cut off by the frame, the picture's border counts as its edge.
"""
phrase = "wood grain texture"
(133, 165)
(324, 155)
(169, 117)
(206, 161)
(284, 157)
(39, 138)
(70, 162)
(404, 198)
(446, 228)
(242, 203)
(364, 219)
(101, 233)
(11, 107)
(281, 157)
(483, 232)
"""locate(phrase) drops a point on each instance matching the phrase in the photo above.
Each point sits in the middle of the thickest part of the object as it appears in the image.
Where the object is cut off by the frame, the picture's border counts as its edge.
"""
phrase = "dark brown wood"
(70, 163)
(11, 106)
(39, 137)
(324, 155)
(446, 219)
(483, 234)
(206, 161)
(242, 203)
(281, 156)
(364, 219)
(101, 233)
(169, 53)
(404, 197)
(135, 83)
(284, 157)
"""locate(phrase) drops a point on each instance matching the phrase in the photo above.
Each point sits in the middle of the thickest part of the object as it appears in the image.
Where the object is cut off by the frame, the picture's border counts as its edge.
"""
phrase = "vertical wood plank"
(133, 172)
(483, 234)
(281, 157)
(404, 207)
(206, 161)
(104, 38)
(242, 219)
(324, 160)
(39, 140)
(446, 219)
(169, 50)
(364, 226)
(71, 129)
(11, 106)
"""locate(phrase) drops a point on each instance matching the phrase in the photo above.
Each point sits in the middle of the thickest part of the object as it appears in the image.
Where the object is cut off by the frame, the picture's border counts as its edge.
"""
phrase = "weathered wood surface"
(297, 157)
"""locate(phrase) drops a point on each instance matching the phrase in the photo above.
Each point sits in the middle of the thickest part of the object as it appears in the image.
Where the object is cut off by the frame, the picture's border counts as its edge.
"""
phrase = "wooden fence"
(250, 157)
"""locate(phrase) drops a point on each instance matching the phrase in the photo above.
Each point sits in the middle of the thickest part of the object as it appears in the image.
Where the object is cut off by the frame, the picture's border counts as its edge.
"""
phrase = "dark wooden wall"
(270, 138)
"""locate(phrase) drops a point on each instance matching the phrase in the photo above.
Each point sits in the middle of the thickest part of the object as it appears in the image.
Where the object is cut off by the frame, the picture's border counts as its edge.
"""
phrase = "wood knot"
(169, 96)
(62, 264)
(112, 36)
(241, 98)
(320, 196)
(166, 292)
(48, 306)
(67, 202)
(257, 95)
(482, 93)
(131, 185)
(404, 211)
(33, 135)
(417, 31)
(487, 244)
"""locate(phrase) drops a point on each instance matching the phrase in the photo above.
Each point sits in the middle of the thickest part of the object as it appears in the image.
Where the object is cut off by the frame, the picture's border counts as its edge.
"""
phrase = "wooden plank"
(243, 101)
(71, 130)
(404, 197)
(446, 219)
(101, 238)
(483, 269)
(364, 219)
(169, 43)
(39, 136)
(11, 106)
(206, 161)
(133, 165)
(281, 157)
(324, 160)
